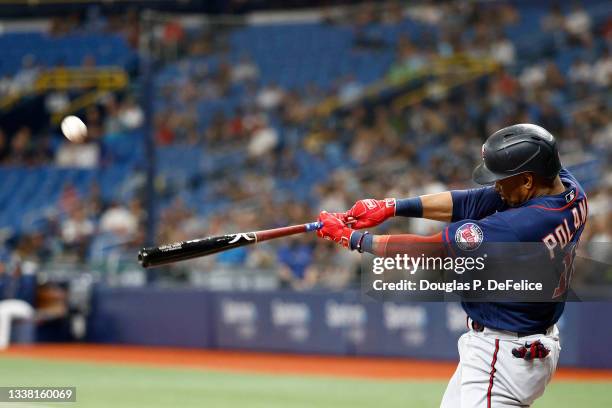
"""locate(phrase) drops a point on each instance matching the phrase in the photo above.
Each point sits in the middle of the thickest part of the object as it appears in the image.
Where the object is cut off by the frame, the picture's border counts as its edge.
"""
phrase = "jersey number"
(568, 271)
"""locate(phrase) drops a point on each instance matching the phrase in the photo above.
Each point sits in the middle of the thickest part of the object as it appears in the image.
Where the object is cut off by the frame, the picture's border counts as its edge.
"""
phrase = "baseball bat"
(195, 248)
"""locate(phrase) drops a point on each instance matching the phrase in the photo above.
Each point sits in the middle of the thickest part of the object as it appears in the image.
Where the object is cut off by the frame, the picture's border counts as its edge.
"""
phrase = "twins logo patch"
(469, 236)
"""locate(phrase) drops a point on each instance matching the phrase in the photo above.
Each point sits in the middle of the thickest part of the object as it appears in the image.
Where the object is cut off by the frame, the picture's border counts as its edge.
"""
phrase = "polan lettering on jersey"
(562, 234)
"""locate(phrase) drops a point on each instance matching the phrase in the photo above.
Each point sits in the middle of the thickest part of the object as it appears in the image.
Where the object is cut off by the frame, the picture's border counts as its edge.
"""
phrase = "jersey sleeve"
(476, 203)
(468, 236)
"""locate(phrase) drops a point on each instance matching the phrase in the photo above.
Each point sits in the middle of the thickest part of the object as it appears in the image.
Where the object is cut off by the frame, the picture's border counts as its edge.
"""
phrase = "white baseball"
(74, 129)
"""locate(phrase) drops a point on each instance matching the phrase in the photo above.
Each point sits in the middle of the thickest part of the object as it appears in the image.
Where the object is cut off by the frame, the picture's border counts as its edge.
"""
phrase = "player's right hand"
(369, 213)
(334, 229)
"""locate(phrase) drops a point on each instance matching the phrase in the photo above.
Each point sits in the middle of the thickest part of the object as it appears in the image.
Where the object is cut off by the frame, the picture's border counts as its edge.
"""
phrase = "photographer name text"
(507, 285)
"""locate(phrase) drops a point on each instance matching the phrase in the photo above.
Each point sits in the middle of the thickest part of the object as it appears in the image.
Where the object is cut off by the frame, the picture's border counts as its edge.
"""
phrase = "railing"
(79, 79)
(452, 71)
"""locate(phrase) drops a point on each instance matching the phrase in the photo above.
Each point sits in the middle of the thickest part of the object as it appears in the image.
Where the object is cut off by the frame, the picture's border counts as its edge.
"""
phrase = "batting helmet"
(518, 149)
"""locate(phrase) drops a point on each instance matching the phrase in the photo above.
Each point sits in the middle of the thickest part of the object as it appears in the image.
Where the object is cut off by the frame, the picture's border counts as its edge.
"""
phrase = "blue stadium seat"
(107, 49)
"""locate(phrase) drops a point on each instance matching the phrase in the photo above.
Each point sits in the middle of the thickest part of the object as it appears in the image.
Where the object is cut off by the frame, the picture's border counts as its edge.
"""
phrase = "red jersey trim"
(492, 376)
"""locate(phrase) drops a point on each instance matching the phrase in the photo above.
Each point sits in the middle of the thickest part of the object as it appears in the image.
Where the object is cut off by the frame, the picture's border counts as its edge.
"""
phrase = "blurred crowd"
(380, 149)
(390, 150)
(115, 116)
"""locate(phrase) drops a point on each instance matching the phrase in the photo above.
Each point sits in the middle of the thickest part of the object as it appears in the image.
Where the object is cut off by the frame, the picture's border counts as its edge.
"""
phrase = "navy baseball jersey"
(557, 221)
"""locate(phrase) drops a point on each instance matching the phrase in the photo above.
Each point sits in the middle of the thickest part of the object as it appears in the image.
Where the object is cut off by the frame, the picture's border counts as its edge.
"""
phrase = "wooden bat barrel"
(195, 248)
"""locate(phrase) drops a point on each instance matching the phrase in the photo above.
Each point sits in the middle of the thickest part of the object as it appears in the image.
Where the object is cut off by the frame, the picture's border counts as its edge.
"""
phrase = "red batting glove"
(369, 212)
(531, 351)
(341, 216)
(334, 229)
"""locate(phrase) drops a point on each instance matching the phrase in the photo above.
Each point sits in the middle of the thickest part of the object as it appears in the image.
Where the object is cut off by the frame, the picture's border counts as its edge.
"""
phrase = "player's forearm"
(390, 245)
(437, 207)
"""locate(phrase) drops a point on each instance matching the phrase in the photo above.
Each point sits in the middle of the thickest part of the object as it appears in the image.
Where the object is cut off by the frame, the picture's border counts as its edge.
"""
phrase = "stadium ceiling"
(47, 8)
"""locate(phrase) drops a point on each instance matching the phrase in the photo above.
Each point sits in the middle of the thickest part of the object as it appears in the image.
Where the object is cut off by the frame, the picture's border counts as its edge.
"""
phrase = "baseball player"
(510, 351)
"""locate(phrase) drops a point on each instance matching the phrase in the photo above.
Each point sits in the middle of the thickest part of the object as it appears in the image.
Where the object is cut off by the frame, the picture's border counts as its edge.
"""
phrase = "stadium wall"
(321, 323)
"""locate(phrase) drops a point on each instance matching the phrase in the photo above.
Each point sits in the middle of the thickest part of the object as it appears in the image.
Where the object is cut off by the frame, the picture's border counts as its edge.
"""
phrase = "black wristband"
(359, 246)
(409, 207)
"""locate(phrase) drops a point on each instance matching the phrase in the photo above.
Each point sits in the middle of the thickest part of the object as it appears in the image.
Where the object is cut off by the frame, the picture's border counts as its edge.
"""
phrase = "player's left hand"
(370, 213)
(334, 229)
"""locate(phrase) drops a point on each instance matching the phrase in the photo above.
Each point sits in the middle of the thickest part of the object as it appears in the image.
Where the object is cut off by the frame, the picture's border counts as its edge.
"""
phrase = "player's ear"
(528, 180)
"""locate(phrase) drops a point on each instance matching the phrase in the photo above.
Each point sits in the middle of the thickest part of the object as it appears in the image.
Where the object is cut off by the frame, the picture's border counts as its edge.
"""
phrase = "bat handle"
(313, 226)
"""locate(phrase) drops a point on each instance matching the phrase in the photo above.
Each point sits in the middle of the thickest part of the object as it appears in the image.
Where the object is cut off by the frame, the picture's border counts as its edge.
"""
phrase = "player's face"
(515, 190)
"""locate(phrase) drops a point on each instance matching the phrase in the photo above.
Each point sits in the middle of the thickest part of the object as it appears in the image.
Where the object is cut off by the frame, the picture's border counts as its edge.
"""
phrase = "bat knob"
(143, 256)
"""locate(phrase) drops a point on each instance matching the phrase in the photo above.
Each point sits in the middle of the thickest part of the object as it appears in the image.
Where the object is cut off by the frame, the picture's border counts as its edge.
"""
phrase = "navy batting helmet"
(518, 149)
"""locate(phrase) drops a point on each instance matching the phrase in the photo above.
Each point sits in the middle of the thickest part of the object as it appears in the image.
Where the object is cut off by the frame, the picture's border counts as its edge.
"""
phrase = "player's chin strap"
(530, 351)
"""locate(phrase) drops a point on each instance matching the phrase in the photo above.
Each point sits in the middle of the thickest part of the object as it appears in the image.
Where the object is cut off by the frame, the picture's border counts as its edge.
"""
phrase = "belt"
(479, 327)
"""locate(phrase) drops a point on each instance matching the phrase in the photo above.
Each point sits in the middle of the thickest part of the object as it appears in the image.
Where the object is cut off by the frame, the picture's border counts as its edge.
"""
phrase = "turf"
(102, 385)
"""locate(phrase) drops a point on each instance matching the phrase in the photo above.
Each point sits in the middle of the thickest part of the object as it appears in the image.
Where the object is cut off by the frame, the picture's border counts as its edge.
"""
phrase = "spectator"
(81, 155)
(333, 270)
(172, 37)
(234, 257)
(77, 231)
(12, 307)
(89, 62)
(294, 258)
(602, 70)
(503, 51)
(4, 146)
(533, 76)
(245, 70)
(554, 78)
(21, 146)
(350, 90)
(42, 151)
(263, 140)
(57, 102)
(112, 124)
(25, 78)
(165, 133)
(550, 118)
(578, 24)
(554, 21)
(131, 115)
(270, 97)
(580, 72)
(119, 220)
(6, 86)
